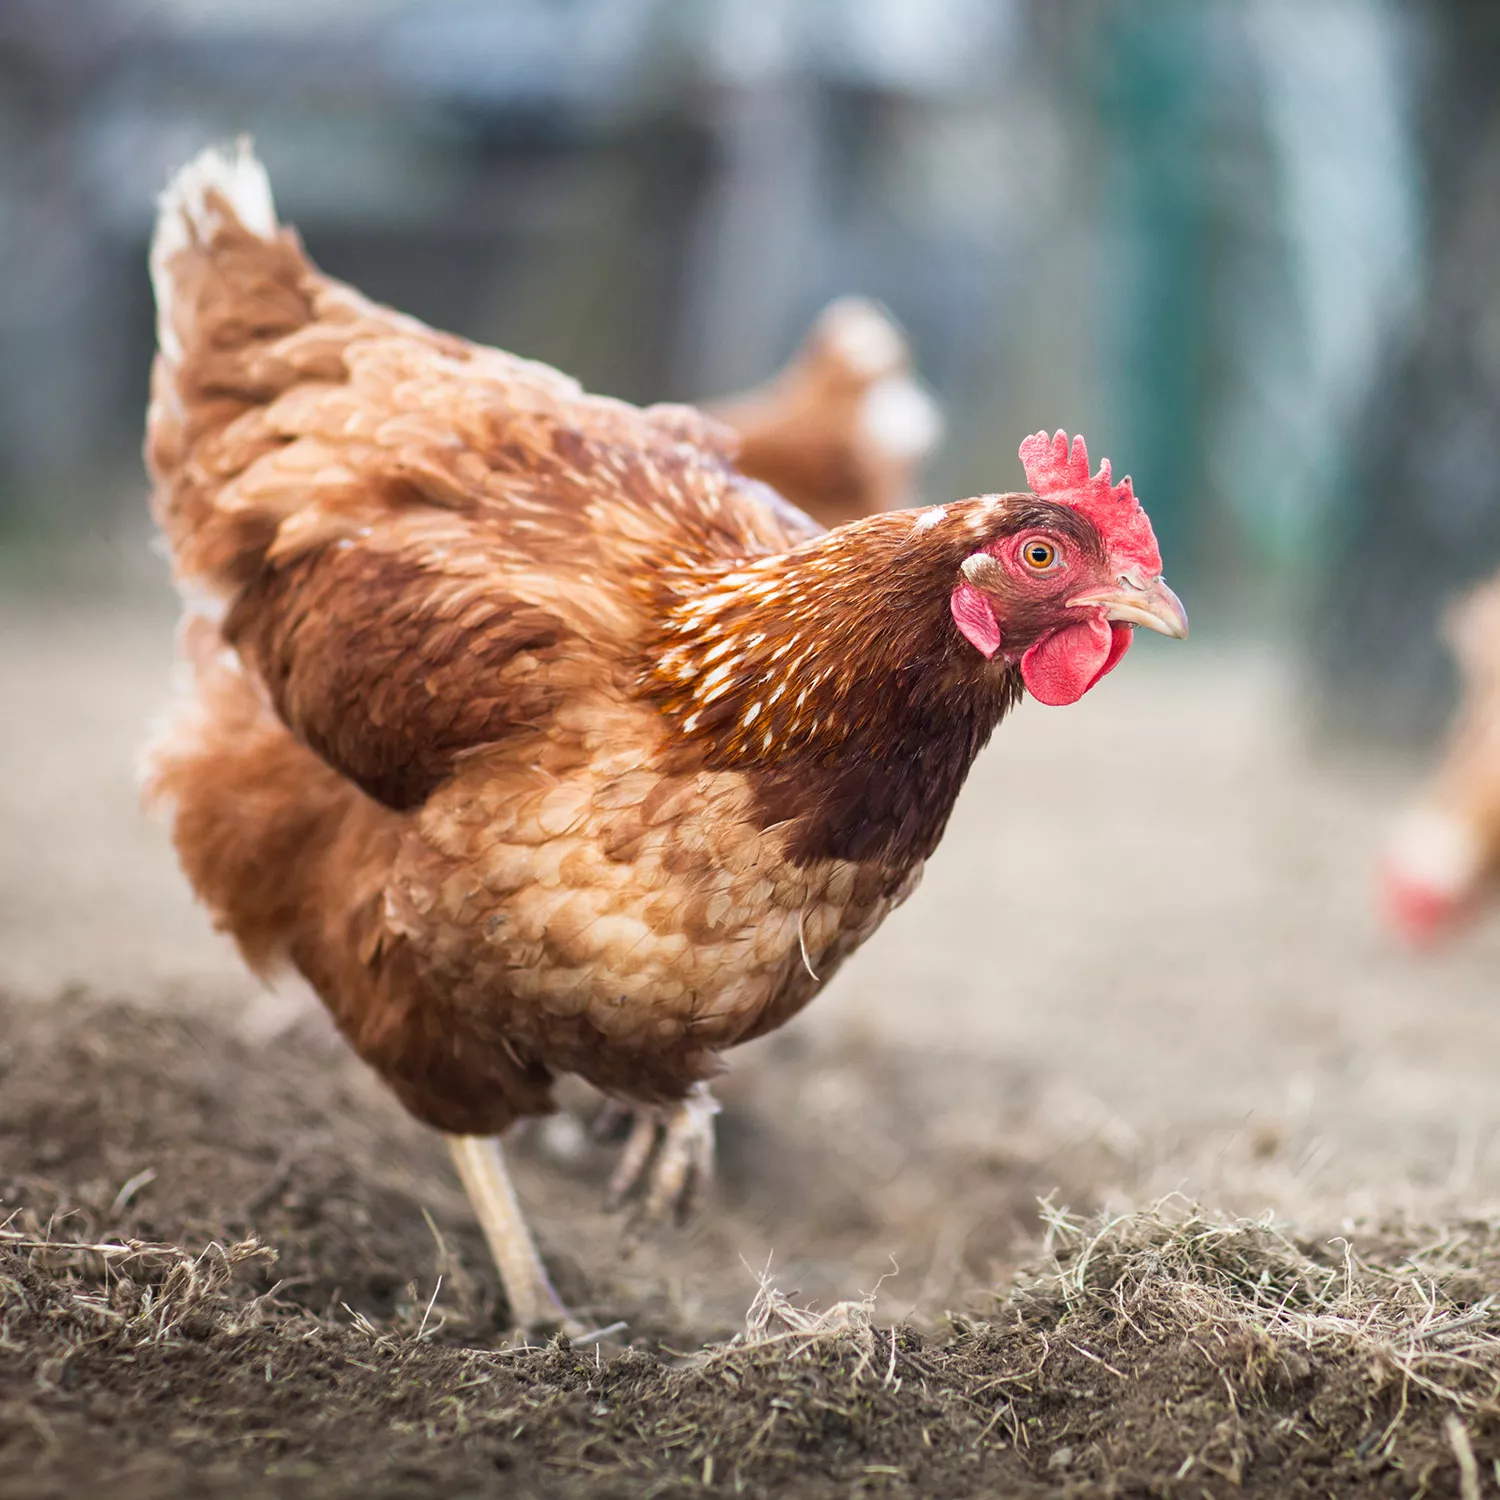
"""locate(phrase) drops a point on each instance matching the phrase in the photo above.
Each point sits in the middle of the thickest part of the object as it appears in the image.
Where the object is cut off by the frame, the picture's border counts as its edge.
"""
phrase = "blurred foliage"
(1425, 451)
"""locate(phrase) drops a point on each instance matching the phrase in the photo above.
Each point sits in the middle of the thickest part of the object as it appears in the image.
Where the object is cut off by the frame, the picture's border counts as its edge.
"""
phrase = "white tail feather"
(185, 218)
(900, 418)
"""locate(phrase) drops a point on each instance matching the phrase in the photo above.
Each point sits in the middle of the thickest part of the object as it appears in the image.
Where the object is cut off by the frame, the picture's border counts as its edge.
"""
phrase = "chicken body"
(432, 771)
(531, 732)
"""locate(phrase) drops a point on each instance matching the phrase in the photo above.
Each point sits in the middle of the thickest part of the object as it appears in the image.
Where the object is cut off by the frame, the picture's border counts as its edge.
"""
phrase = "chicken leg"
(533, 1302)
(669, 1152)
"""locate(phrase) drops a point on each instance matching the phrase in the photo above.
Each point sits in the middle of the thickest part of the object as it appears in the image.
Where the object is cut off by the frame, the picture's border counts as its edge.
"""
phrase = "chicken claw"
(669, 1154)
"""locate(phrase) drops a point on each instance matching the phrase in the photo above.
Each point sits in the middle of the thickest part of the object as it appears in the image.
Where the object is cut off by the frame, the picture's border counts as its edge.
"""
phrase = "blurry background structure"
(1251, 249)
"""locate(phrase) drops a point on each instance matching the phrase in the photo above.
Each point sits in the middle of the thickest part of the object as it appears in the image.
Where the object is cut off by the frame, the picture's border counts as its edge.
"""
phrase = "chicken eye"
(1039, 555)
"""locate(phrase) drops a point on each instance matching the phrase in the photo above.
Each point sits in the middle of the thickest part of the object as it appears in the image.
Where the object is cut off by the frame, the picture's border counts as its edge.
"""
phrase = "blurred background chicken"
(1443, 853)
(537, 738)
(842, 430)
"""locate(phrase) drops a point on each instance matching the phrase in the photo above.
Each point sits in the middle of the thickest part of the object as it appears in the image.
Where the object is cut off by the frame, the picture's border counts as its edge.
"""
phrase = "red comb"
(1061, 474)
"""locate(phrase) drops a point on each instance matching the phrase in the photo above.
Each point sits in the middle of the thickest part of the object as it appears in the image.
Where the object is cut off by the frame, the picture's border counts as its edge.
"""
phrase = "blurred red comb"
(1060, 473)
(1420, 914)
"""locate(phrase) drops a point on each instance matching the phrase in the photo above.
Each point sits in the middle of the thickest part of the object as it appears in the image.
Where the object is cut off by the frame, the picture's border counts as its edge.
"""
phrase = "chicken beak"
(1153, 605)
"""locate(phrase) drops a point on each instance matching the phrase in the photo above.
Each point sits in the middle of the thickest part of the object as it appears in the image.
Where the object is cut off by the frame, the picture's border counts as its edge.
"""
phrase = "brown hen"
(841, 430)
(538, 738)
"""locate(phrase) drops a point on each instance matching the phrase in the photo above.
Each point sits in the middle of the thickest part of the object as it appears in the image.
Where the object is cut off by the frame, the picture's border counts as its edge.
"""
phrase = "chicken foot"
(533, 1302)
(668, 1156)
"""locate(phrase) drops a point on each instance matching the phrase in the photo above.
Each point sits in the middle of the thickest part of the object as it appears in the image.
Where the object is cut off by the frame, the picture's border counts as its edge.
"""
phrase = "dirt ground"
(1143, 964)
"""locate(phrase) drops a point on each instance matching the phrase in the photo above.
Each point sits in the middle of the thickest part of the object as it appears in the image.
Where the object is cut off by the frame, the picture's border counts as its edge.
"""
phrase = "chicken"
(534, 735)
(840, 431)
(1445, 850)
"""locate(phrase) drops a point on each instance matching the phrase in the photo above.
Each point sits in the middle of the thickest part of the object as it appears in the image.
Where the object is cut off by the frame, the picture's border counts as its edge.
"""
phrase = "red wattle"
(1063, 666)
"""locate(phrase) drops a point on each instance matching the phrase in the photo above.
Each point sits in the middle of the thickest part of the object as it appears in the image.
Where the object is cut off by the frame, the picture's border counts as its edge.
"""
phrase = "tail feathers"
(190, 212)
(230, 284)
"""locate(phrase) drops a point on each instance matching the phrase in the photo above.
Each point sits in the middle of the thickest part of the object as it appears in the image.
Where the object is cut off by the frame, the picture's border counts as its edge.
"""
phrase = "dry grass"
(1166, 1352)
(1413, 1313)
(1376, 1354)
